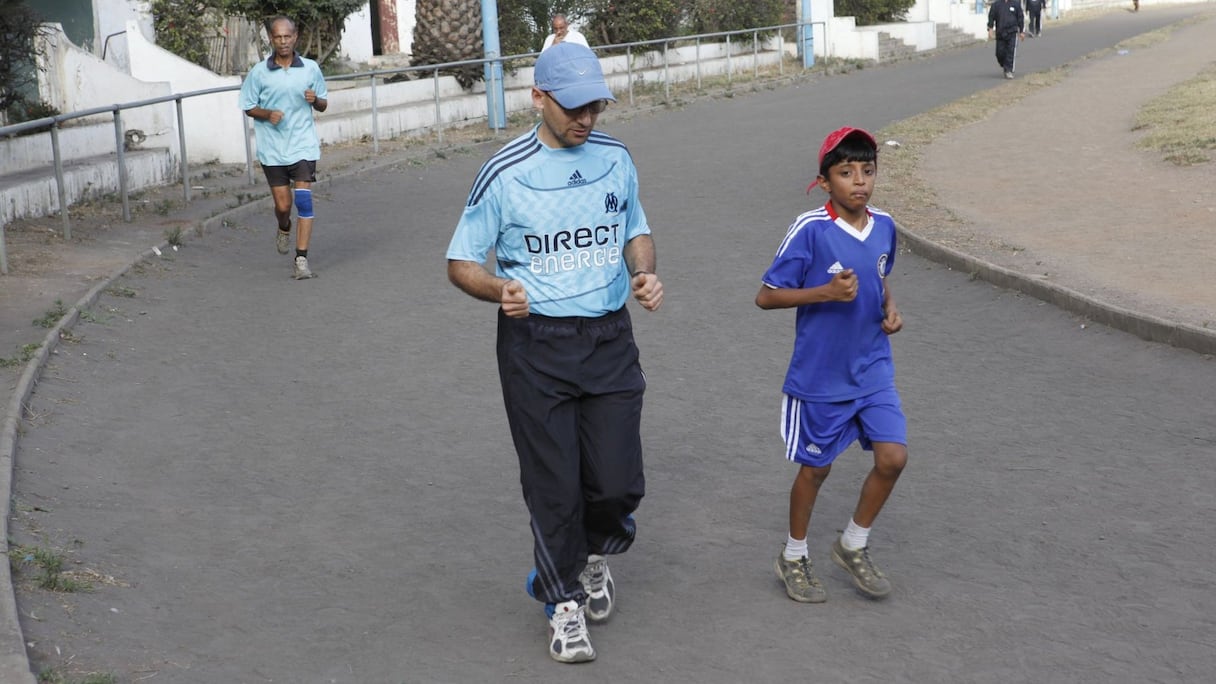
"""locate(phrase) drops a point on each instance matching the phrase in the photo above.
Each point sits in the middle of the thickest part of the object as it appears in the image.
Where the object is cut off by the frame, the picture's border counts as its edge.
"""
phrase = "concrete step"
(34, 192)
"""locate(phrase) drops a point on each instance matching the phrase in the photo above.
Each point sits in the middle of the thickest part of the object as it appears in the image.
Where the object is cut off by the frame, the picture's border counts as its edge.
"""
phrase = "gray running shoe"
(601, 590)
(282, 241)
(301, 271)
(800, 581)
(569, 640)
(868, 578)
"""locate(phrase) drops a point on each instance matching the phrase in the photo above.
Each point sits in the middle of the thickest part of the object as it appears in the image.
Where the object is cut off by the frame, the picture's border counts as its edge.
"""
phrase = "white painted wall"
(75, 80)
(114, 17)
(357, 33)
(211, 121)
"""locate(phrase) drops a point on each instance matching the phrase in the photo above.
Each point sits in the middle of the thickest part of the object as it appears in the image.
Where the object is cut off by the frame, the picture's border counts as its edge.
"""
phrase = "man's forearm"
(639, 255)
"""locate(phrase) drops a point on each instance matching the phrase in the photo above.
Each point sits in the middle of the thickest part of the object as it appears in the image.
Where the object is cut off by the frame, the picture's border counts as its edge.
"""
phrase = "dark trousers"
(573, 393)
(1006, 48)
(1036, 21)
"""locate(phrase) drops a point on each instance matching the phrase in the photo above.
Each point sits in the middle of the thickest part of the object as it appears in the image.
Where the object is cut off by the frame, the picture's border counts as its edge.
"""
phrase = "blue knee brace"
(303, 202)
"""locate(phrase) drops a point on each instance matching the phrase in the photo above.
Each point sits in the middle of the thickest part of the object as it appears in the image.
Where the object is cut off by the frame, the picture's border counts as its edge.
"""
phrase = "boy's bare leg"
(802, 498)
(889, 461)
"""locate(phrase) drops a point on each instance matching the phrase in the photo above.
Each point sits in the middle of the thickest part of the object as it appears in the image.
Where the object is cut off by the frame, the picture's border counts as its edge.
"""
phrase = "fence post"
(120, 141)
(780, 53)
(181, 146)
(438, 118)
(629, 70)
(375, 119)
(755, 55)
(730, 63)
(666, 77)
(3, 251)
(63, 193)
(248, 148)
(698, 63)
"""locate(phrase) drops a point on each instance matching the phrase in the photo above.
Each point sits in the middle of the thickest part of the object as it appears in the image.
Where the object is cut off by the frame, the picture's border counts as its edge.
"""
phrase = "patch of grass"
(174, 236)
(54, 676)
(52, 315)
(1181, 124)
(23, 357)
(120, 291)
(48, 568)
(163, 207)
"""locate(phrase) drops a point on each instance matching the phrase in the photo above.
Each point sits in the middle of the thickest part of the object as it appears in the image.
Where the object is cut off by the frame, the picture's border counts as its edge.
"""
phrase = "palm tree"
(449, 31)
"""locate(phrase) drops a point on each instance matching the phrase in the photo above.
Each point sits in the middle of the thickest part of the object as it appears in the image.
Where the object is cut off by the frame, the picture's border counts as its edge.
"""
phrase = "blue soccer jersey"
(840, 350)
(270, 86)
(558, 221)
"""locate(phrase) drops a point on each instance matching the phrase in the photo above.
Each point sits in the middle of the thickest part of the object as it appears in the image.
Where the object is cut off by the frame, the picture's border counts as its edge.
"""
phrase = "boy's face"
(850, 184)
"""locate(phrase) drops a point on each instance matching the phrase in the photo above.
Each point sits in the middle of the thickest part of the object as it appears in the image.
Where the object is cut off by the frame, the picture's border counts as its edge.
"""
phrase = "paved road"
(313, 482)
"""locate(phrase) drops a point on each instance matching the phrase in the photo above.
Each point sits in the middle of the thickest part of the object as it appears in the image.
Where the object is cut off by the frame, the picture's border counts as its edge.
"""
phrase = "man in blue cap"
(559, 207)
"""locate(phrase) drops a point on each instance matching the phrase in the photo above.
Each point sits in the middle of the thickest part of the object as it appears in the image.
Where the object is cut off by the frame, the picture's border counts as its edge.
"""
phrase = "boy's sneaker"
(601, 590)
(868, 578)
(569, 640)
(301, 271)
(800, 581)
(282, 241)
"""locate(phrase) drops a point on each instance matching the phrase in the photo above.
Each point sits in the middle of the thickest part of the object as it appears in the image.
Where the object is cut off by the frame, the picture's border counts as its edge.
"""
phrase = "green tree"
(20, 28)
(629, 21)
(449, 31)
(870, 12)
(182, 28)
(712, 16)
(319, 22)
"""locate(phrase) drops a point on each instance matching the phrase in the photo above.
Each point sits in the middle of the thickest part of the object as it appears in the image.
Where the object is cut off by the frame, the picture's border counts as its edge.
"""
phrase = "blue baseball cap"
(571, 73)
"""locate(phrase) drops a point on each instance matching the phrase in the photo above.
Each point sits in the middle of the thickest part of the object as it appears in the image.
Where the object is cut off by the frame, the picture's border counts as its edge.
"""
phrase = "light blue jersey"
(558, 221)
(270, 86)
(840, 350)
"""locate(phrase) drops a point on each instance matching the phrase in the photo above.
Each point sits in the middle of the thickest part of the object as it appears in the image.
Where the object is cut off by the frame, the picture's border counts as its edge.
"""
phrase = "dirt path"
(1054, 186)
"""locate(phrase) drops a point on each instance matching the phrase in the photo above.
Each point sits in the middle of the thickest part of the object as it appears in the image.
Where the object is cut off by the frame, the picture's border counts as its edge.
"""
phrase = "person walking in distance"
(834, 267)
(1007, 23)
(559, 206)
(1034, 12)
(280, 95)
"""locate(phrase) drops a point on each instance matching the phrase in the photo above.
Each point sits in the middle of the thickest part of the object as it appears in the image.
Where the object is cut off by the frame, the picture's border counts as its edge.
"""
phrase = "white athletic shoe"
(302, 271)
(601, 590)
(569, 640)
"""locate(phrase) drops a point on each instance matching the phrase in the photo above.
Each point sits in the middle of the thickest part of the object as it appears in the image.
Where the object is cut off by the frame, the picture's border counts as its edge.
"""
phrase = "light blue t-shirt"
(270, 86)
(558, 221)
(840, 351)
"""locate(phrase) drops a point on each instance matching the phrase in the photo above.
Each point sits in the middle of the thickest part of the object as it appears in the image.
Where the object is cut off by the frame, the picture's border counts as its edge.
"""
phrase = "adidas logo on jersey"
(576, 178)
(812, 449)
(835, 268)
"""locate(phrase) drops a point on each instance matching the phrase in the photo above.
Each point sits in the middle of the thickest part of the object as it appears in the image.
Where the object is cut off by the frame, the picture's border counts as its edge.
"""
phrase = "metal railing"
(55, 123)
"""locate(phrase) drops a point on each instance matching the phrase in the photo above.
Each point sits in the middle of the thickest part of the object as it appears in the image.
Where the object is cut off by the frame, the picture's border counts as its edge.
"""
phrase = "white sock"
(794, 548)
(855, 536)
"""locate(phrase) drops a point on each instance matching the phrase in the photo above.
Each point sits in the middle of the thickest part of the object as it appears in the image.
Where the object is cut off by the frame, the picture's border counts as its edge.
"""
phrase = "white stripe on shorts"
(791, 424)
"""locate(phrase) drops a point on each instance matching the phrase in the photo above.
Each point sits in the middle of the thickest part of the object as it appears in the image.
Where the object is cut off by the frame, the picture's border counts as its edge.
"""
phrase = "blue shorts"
(817, 432)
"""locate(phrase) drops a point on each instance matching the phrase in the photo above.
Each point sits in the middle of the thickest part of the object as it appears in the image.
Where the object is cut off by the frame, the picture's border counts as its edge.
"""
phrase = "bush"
(21, 109)
(182, 28)
(20, 28)
(870, 12)
(714, 16)
(631, 21)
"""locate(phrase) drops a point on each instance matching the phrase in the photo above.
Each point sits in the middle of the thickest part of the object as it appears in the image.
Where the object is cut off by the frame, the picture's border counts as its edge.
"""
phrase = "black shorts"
(303, 171)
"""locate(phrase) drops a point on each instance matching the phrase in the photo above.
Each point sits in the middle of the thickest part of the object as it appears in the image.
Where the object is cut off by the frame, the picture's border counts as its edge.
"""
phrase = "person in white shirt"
(562, 33)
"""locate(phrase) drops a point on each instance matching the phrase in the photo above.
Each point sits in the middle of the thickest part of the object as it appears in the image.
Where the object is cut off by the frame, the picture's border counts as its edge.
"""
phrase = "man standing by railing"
(279, 95)
(562, 33)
